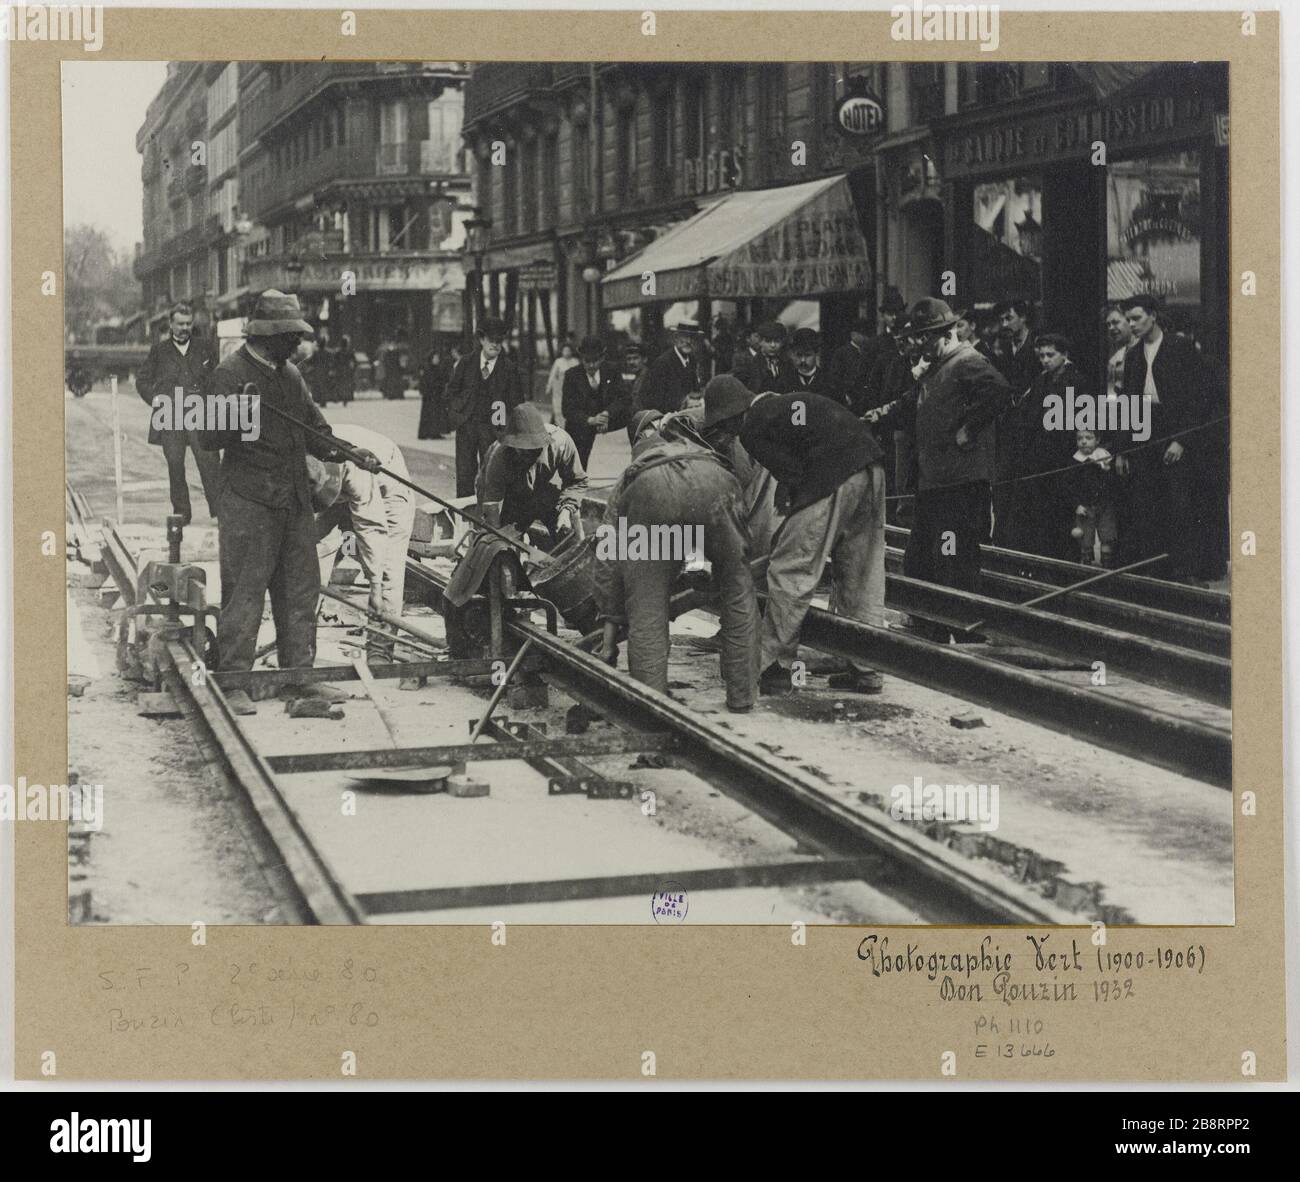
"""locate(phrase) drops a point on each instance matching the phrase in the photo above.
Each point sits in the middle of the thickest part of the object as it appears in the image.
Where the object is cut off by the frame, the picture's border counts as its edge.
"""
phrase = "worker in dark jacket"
(266, 527)
(950, 415)
(593, 398)
(831, 486)
(484, 387)
(1169, 513)
(186, 363)
(673, 378)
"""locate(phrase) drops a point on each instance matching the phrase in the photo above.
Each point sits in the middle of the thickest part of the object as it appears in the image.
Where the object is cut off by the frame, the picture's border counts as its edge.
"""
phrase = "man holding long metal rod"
(266, 528)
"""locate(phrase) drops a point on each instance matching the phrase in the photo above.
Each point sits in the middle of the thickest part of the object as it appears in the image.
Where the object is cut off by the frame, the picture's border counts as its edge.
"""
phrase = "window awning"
(798, 240)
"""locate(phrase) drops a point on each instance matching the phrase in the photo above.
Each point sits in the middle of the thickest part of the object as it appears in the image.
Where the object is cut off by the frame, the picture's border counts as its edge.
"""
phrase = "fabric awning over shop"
(798, 240)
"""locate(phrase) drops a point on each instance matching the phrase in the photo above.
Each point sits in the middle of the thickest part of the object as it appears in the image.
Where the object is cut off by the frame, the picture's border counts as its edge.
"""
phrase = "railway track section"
(835, 843)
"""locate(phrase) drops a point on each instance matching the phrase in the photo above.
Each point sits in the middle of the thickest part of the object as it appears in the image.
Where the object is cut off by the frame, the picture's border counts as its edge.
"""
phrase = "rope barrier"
(1071, 467)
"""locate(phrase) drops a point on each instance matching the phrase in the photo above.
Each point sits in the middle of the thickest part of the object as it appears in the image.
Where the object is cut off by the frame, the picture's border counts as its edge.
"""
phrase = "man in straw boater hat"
(266, 529)
(674, 376)
(949, 415)
(533, 477)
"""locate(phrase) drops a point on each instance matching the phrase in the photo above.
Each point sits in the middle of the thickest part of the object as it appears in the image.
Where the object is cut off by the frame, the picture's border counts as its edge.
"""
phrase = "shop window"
(1153, 229)
(1006, 255)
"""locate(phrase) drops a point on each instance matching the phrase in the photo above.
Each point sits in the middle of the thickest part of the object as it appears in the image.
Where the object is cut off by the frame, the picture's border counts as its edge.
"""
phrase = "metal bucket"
(569, 582)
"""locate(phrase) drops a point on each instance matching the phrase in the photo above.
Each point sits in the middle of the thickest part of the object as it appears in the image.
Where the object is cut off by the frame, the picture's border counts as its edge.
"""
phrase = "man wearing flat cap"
(266, 528)
(532, 476)
(484, 387)
(674, 376)
(593, 398)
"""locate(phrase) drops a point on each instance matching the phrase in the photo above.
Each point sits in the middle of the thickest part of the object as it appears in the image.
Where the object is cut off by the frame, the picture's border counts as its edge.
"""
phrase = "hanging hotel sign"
(1049, 137)
(860, 116)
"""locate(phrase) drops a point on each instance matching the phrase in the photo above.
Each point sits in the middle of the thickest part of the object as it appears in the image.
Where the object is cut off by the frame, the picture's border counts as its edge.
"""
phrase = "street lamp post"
(476, 234)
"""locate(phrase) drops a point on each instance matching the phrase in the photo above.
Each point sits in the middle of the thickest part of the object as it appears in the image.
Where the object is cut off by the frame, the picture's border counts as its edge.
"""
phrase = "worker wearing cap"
(594, 398)
(725, 402)
(831, 486)
(533, 476)
(378, 513)
(950, 415)
(673, 377)
(484, 386)
(266, 529)
(675, 483)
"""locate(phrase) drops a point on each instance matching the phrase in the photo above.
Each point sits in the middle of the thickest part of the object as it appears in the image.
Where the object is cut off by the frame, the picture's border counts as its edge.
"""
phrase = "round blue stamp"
(669, 904)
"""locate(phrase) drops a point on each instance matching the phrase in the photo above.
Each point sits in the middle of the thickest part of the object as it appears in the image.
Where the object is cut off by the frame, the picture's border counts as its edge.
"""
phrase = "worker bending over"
(533, 479)
(378, 513)
(675, 483)
(831, 488)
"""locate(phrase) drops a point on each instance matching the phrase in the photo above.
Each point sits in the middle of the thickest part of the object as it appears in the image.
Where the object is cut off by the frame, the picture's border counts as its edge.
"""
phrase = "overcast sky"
(104, 104)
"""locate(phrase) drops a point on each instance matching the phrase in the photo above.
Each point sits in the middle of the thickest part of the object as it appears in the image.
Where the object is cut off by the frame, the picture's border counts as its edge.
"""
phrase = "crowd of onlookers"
(1100, 488)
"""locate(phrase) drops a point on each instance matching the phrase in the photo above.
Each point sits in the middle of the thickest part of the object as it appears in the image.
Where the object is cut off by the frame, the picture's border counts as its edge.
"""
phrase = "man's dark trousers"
(473, 438)
(265, 549)
(174, 445)
(961, 511)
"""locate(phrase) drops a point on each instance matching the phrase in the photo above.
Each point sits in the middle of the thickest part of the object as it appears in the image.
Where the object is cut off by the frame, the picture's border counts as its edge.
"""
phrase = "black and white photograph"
(630, 493)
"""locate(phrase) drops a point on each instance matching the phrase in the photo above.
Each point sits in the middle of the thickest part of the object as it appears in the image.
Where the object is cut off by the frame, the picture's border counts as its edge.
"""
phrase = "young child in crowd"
(1092, 487)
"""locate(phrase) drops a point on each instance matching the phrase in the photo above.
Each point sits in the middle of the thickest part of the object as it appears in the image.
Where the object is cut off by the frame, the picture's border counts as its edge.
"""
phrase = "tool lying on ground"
(533, 553)
(413, 775)
(501, 689)
(426, 639)
(1106, 574)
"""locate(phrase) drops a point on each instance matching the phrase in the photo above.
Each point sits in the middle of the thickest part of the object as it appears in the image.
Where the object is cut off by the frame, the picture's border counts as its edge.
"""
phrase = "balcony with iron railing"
(428, 159)
(273, 103)
(494, 86)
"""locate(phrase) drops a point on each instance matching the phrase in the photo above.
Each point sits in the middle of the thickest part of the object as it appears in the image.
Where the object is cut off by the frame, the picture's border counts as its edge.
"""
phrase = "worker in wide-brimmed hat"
(266, 528)
(675, 376)
(949, 414)
(533, 478)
